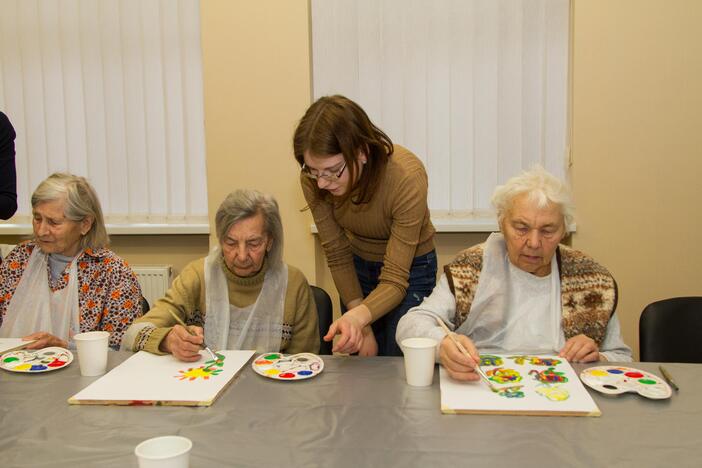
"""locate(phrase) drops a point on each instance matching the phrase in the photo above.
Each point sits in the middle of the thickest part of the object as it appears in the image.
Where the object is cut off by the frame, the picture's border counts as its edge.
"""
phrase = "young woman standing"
(368, 199)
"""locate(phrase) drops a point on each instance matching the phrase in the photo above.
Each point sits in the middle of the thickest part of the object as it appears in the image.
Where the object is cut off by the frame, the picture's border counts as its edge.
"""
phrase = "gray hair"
(542, 188)
(245, 203)
(81, 202)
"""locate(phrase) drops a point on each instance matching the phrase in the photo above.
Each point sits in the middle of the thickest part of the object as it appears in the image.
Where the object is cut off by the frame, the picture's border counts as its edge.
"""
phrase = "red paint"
(263, 362)
(286, 375)
(634, 375)
(56, 363)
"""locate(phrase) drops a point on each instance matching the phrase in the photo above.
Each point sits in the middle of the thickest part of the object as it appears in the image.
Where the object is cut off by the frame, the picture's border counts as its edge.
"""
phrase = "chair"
(325, 315)
(671, 330)
(144, 305)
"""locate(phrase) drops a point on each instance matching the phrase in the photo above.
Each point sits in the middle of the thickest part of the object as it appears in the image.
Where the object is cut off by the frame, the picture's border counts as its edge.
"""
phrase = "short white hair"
(542, 188)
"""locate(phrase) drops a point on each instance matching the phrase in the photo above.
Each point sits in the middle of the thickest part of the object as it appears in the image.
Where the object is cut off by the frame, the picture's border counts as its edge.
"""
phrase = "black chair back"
(325, 315)
(671, 331)
(144, 305)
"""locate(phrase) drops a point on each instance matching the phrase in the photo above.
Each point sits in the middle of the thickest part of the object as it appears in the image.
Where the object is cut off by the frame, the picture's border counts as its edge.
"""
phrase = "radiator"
(154, 280)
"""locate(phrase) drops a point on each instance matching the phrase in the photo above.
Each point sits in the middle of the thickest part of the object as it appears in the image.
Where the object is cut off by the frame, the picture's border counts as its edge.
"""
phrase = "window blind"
(478, 89)
(111, 90)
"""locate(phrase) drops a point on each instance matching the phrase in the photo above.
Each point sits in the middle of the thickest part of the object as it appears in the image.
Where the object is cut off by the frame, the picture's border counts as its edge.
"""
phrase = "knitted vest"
(588, 290)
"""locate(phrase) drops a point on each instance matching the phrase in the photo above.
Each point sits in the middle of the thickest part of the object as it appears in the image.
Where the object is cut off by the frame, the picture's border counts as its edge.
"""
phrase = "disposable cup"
(92, 352)
(419, 360)
(164, 452)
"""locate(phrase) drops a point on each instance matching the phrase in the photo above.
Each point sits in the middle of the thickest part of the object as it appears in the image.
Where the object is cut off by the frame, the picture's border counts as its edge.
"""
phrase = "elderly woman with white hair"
(66, 280)
(521, 290)
(241, 296)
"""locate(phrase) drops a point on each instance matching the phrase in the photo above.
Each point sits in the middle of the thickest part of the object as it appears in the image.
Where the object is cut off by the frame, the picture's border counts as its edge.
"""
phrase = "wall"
(637, 114)
(257, 86)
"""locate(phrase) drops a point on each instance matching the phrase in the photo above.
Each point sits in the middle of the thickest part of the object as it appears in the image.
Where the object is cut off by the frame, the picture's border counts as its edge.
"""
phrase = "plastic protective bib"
(498, 309)
(34, 307)
(258, 326)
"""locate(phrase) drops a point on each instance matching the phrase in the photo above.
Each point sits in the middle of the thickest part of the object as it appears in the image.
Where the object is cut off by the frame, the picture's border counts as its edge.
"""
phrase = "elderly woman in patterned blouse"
(65, 280)
(523, 291)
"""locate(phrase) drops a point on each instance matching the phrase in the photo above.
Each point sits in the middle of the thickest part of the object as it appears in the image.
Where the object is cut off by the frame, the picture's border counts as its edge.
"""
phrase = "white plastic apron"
(34, 307)
(495, 315)
(258, 326)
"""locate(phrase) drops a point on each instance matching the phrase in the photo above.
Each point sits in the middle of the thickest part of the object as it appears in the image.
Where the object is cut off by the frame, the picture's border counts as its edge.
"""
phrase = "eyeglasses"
(323, 175)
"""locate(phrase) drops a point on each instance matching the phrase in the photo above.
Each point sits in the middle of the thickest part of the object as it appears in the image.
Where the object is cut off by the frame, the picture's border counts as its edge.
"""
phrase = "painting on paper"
(524, 384)
(148, 379)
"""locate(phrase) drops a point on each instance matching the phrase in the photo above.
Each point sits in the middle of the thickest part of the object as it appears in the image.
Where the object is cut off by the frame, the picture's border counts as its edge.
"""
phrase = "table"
(358, 412)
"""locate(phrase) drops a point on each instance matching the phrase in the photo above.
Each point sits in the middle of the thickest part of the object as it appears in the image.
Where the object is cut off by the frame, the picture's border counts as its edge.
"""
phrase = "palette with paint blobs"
(280, 366)
(614, 380)
(33, 361)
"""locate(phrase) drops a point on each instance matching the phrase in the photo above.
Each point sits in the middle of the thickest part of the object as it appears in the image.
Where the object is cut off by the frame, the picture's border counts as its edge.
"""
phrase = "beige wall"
(637, 95)
(637, 141)
(257, 85)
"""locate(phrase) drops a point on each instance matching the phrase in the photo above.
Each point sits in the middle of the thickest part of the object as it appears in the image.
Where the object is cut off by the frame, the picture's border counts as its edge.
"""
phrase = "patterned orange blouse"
(109, 296)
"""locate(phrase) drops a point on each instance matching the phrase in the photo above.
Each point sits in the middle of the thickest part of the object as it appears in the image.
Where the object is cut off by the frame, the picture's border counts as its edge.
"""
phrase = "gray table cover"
(358, 412)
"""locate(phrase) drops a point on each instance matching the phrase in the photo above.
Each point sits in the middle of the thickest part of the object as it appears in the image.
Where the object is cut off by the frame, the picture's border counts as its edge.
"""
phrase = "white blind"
(476, 88)
(111, 90)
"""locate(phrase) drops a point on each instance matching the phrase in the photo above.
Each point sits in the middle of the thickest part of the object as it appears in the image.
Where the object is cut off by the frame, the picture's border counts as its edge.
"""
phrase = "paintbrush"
(204, 345)
(465, 352)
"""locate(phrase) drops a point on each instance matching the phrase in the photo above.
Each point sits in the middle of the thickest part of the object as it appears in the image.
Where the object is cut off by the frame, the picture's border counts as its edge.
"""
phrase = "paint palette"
(614, 380)
(288, 366)
(33, 361)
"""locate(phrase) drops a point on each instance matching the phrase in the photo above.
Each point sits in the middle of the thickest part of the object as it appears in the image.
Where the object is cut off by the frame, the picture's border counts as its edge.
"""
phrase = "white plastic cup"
(419, 360)
(92, 352)
(164, 452)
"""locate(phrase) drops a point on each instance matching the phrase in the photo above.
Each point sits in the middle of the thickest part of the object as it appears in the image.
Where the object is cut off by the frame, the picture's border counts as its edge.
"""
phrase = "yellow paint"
(598, 373)
(23, 367)
(554, 393)
(196, 373)
(272, 372)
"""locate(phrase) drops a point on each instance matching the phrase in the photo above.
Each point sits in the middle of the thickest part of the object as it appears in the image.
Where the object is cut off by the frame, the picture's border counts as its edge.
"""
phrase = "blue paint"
(615, 371)
(305, 372)
(38, 367)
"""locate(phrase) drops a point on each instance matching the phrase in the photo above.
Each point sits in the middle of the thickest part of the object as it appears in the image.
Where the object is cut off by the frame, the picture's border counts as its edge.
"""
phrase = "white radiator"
(154, 280)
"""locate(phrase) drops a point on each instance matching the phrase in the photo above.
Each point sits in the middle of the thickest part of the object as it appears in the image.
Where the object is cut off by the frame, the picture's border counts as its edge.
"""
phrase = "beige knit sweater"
(394, 227)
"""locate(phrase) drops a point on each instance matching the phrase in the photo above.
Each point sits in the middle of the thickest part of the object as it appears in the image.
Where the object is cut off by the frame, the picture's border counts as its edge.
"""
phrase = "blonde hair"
(81, 202)
(541, 187)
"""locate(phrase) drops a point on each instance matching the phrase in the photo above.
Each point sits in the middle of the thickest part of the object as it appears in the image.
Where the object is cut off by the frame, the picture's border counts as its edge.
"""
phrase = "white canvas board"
(9, 344)
(476, 397)
(146, 378)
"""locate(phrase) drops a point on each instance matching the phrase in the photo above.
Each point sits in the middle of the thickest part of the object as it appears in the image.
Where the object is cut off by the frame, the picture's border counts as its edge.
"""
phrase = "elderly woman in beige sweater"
(241, 296)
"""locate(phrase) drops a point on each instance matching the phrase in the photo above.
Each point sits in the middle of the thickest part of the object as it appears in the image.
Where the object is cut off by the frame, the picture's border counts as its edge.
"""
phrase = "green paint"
(647, 381)
(219, 363)
(11, 359)
(272, 356)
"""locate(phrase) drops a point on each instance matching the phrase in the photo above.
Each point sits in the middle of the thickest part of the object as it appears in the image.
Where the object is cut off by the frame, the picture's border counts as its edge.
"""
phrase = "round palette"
(288, 366)
(614, 380)
(32, 361)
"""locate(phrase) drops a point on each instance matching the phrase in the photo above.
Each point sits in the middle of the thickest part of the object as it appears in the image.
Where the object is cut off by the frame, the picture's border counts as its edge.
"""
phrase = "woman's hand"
(350, 328)
(44, 340)
(369, 347)
(580, 348)
(181, 344)
(458, 366)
